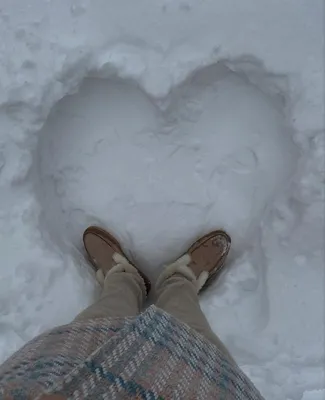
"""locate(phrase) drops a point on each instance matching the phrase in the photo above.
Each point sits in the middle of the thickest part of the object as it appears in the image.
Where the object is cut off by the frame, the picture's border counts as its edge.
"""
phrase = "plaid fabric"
(151, 357)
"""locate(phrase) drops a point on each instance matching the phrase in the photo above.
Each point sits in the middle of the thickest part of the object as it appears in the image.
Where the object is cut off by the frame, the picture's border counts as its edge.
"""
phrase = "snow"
(160, 121)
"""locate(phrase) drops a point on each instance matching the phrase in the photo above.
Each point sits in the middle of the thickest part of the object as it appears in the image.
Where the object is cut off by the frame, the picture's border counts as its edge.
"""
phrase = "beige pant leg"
(178, 296)
(123, 296)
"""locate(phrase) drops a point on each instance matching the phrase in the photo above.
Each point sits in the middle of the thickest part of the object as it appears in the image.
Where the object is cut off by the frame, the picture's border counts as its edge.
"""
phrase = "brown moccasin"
(100, 246)
(208, 254)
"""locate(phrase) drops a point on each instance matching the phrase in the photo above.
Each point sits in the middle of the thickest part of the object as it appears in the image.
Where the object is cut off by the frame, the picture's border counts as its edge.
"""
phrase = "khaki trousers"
(124, 294)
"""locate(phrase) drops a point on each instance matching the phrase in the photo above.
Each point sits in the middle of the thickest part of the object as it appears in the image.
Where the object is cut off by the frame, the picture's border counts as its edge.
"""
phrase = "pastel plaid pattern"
(150, 357)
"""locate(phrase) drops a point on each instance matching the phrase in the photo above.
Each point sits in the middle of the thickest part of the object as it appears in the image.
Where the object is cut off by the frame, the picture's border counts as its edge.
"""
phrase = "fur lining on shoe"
(180, 266)
(122, 265)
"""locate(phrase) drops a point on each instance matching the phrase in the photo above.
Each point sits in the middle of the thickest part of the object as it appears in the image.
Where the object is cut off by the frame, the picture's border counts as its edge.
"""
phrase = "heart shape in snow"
(213, 154)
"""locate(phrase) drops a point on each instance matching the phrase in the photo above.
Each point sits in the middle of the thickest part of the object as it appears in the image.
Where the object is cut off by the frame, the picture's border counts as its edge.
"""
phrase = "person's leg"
(177, 292)
(124, 286)
(123, 295)
(178, 297)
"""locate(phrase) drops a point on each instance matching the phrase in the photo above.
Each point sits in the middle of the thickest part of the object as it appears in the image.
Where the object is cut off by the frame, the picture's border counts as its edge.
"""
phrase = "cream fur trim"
(122, 265)
(180, 266)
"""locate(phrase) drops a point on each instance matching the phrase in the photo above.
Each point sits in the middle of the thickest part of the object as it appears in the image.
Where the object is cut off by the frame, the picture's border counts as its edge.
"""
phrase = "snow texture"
(161, 120)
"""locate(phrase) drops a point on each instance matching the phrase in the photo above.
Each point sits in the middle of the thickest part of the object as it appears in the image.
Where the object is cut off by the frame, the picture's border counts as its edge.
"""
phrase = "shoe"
(208, 255)
(203, 261)
(101, 248)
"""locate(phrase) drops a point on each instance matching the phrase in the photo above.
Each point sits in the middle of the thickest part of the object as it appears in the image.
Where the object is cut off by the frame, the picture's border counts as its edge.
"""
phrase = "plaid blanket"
(151, 357)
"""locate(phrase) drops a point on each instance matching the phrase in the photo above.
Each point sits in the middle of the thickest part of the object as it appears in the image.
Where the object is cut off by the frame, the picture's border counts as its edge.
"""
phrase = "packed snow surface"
(161, 120)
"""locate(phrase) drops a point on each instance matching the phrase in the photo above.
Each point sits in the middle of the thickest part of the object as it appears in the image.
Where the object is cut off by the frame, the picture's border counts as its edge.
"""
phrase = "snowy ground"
(176, 117)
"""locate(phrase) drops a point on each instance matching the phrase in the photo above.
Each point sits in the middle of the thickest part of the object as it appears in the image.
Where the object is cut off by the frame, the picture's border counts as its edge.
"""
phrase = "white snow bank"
(183, 116)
